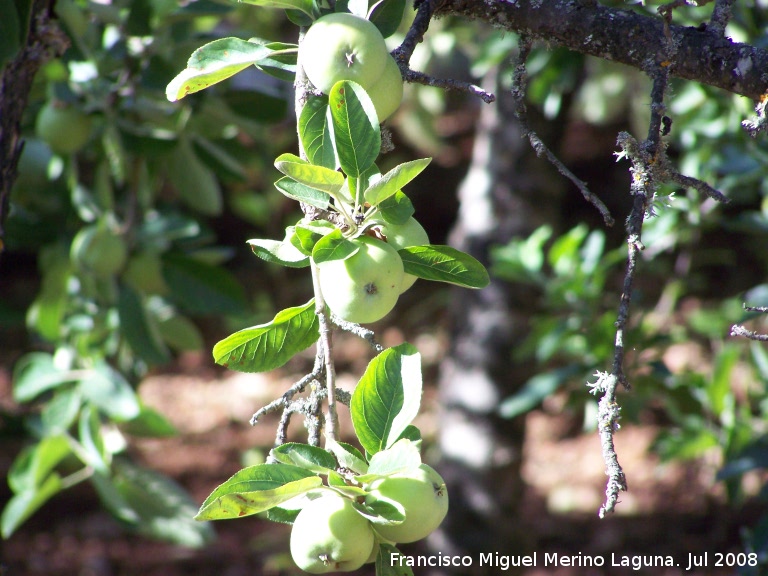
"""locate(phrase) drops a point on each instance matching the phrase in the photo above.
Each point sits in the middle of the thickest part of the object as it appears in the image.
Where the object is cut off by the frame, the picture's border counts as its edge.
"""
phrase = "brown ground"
(670, 509)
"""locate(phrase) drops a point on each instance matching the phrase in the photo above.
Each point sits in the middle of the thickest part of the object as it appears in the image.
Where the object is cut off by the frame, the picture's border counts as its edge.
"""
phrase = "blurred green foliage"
(118, 196)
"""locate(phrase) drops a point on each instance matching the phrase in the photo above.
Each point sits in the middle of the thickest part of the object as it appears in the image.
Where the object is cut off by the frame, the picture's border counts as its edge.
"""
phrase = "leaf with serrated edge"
(348, 456)
(387, 397)
(316, 132)
(214, 62)
(268, 479)
(269, 346)
(304, 456)
(356, 128)
(444, 264)
(333, 247)
(303, 193)
(317, 177)
(282, 252)
(403, 455)
(239, 504)
(394, 180)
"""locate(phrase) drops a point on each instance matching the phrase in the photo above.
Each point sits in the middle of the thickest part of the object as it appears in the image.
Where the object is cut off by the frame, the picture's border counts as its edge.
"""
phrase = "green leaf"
(149, 424)
(333, 247)
(403, 455)
(303, 193)
(269, 346)
(138, 328)
(348, 456)
(165, 509)
(214, 62)
(305, 456)
(317, 177)
(308, 234)
(355, 127)
(396, 209)
(721, 384)
(391, 182)
(305, 6)
(106, 388)
(387, 15)
(93, 452)
(535, 390)
(60, 412)
(385, 566)
(36, 373)
(316, 134)
(282, 252)
(381, 512)
(112, 499)
(23, 504)
(193, 180)
(35, 463)
(444, 264)
(256, 489)
(281, 62)
(180, 333)
(202, 288)
(387, 397)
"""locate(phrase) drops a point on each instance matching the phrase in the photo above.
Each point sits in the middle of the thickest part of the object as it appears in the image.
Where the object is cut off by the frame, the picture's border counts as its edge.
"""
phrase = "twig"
(643, 189)
(739, 330)
(721, 15)
(608, 415)
(449, 84)
(519, 87)
(415, 34)
(326, 343)
(759, 123)
(285, 400)
(402, 55)
(356, 329)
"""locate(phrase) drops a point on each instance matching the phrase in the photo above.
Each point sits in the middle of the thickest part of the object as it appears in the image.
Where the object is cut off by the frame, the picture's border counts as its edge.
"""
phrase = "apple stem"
(325, 343)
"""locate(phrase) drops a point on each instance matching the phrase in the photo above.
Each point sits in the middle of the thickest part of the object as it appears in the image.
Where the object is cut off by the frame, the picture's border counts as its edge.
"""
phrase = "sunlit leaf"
(355, 127)
(391, 182)
(269, 346)
(444, 264)
(387, 397)
(256, 489)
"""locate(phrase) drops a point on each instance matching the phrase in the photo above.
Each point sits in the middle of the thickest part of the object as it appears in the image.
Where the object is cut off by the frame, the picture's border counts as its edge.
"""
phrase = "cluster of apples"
(331, 535)
(366, 286)
(342, 46)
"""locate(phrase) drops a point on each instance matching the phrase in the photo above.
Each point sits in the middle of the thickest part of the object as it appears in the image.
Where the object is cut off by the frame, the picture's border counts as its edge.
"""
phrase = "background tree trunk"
(507, 192)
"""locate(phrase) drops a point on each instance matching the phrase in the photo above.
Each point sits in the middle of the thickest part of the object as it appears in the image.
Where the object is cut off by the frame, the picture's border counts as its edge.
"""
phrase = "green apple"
(98, 249)
(400, 236)
(421, 494)
(387, 93)
(329, 535)
(343, 46)
(64, 127)
(364, 287)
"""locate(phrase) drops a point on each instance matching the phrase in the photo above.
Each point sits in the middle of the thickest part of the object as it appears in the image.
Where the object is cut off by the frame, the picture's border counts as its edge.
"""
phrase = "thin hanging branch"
(519, 89)
(402, 54)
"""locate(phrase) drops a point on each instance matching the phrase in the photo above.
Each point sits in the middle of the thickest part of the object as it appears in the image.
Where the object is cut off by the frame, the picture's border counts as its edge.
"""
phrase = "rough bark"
(703, 54)
(43, 41)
